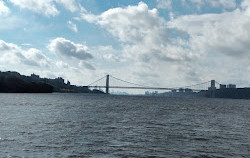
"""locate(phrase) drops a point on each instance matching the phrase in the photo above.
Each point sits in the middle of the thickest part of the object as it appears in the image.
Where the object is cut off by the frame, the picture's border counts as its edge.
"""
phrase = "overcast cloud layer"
(150, 44)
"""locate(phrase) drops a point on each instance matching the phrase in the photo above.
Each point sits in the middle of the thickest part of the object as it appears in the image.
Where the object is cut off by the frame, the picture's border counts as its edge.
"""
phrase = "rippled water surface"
(80, 125)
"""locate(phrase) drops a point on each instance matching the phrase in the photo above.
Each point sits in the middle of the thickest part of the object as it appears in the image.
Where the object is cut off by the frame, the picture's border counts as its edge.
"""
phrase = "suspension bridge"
(107, 85)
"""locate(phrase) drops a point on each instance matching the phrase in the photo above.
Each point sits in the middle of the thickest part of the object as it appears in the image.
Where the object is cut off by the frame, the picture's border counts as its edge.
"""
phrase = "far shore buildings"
(223, 91)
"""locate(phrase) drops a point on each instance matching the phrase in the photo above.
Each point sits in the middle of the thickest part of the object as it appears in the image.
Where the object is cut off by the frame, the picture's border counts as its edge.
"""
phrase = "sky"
(164, 43)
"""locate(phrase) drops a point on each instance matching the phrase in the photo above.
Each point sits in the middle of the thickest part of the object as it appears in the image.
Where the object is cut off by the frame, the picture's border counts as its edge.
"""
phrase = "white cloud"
(146, 43)
(36, 57)
(11, 22)
(164, 4)
(245, 4)
(143, 33)
(226, 33)
(202, 47)
(111, 57)
(66, 67)
(47, 7)
(72, 26)
(130, 24)
(70, 5)
(68, 49)
(62, 65)
(13, 54)
(28, 61)
(86, 64)
(191, 54)
(4, 10)
(143, 29)
(222, 41)
(108, 54)
(227, 4)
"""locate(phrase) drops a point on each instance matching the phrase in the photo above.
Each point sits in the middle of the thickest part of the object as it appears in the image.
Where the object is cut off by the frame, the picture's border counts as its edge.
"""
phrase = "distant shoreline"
(14, 82)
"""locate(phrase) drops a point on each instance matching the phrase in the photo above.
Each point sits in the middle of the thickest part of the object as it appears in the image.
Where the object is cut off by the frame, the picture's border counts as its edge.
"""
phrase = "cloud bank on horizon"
(156, 43)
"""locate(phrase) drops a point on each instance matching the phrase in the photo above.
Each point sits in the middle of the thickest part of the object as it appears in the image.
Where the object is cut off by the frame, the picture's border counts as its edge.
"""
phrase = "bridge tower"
(107, 84)
(212, 89)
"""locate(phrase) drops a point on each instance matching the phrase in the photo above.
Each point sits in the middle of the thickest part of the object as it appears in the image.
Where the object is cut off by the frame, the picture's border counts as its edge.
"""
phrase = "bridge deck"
(149, 88)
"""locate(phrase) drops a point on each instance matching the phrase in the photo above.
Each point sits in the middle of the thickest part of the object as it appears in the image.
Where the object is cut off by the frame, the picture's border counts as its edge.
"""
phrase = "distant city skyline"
(151, 42)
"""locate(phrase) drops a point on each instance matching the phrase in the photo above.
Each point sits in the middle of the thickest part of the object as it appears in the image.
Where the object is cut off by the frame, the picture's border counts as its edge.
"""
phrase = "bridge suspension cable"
(97, 81)
(192, 85)
(128, 82)
(217, 82)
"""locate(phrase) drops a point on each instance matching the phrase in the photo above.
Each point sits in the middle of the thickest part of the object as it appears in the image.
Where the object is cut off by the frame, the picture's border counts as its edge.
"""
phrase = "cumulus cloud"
(12, 53)
(142, 30)
(4, 46)
(47, 7)
(187, 48)
(36, 57)
(130, 24)
(68, 49)
(4, 10)
(146, 45)
(226, 33)
(75, 73)
(72, 26)
(222, 40)
(27, 61)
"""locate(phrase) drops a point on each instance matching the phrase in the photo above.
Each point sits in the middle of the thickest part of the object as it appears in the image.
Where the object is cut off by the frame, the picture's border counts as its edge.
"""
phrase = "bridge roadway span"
(152, 88)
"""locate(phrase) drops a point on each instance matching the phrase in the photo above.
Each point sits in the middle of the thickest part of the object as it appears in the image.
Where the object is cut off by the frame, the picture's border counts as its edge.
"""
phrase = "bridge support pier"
(107, 84)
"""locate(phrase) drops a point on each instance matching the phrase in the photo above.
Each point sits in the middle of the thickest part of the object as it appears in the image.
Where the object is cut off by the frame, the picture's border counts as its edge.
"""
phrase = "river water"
(82, 125)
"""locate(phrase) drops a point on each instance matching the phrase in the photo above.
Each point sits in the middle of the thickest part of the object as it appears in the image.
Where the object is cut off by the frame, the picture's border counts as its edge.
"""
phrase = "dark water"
(78, 125)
